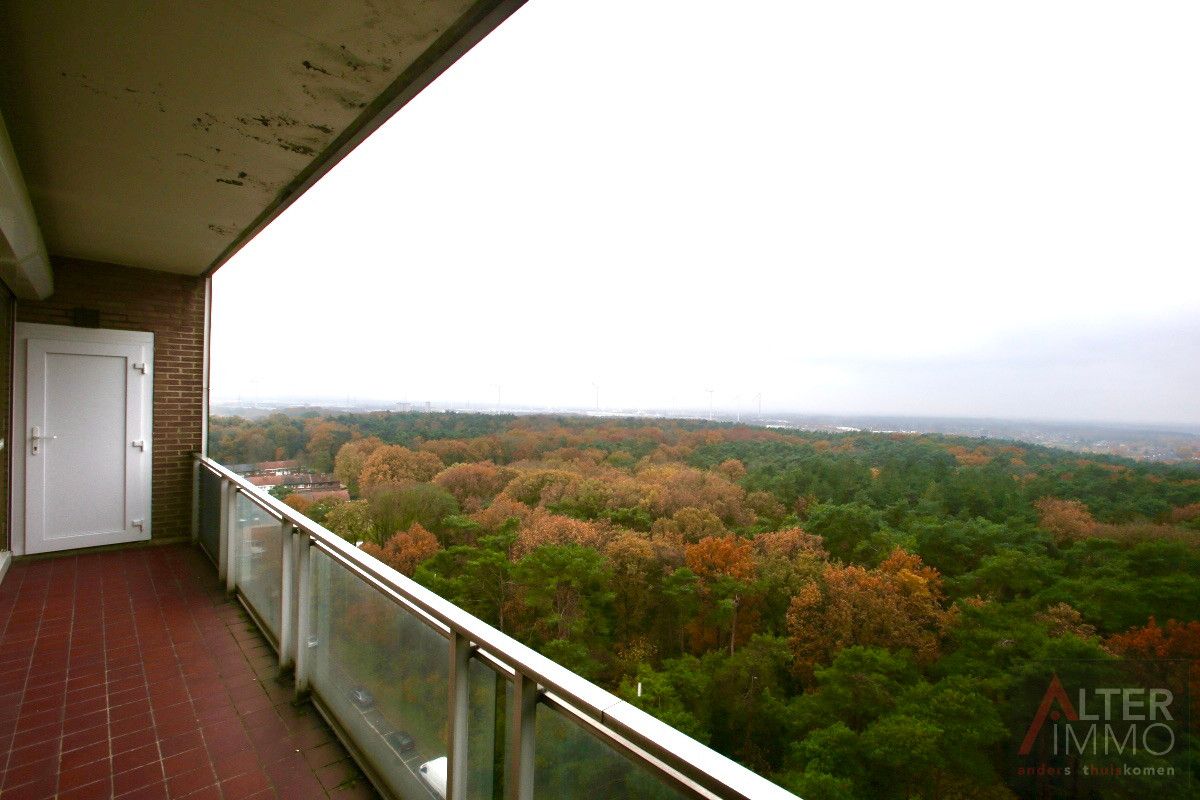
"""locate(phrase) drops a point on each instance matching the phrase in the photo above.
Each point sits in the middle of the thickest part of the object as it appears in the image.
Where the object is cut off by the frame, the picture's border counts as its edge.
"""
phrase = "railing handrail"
(691, 759)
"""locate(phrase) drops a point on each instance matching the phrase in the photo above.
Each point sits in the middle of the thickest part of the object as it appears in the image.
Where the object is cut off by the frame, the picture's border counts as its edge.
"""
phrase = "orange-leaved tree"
(404, 550)
(637, 570)
(1174, 641)
(898, 605)
(732, 469)
(676, 486)
(325, 438)
(473, 484)
(539, 486)
(542, 528)
(1186, 513)
(690, 524)
(348, 463)
(790, 543)
(393, 463)
(298, 502)
(1066, 519)
(725, 567)
(717, 556)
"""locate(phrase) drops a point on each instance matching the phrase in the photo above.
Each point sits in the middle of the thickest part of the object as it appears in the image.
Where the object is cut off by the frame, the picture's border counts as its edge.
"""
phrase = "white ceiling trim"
(23, 262)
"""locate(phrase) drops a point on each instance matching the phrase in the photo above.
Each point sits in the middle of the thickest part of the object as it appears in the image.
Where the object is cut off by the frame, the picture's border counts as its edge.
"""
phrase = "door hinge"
(140, 444)
(140, 524)
(140, 366)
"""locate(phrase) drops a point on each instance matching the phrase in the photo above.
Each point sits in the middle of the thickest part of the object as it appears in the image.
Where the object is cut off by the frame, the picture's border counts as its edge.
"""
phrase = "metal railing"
(432, 701)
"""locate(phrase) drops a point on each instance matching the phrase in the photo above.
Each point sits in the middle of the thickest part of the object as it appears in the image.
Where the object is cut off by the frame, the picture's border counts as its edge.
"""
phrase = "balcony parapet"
(301, 582)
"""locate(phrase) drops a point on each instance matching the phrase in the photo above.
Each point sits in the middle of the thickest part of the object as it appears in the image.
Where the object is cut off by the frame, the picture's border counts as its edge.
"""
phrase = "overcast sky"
(941, 208)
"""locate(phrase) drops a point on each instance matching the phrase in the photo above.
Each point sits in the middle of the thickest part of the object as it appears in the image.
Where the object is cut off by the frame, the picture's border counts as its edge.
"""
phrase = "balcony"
(300, 668)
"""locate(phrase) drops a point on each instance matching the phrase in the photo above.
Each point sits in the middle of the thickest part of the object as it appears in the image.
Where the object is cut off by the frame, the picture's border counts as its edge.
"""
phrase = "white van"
(434, 774)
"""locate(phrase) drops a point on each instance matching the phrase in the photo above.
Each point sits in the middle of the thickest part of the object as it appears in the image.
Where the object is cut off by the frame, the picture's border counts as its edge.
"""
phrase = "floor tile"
(131, 674)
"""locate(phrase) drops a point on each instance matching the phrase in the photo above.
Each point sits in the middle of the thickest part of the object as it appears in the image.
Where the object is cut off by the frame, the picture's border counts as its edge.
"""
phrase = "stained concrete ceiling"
(164, 135)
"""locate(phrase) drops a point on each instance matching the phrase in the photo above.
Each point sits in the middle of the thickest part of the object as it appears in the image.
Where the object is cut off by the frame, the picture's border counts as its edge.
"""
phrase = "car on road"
(401, 742)
(362, 698)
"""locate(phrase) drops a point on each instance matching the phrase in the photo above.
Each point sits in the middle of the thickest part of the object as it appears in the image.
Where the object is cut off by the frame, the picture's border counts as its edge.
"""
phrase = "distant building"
(311, 481)
(308, 484)
(276, 467)
(266, 482)
(323, 494)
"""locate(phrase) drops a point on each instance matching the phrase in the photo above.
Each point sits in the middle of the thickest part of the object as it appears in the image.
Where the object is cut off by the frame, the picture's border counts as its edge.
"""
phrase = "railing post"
(223, 526)
(195, 500)
(287, 597)
(303, 613)
(460, 684)
(519, 781)
(231, 539)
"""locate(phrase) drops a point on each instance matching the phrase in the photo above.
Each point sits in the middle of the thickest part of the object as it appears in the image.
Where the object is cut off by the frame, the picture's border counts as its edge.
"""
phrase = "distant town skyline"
(849, 211)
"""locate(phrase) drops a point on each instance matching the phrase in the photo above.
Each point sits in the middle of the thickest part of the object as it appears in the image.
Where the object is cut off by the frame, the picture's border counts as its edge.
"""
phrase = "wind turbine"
(710, 404)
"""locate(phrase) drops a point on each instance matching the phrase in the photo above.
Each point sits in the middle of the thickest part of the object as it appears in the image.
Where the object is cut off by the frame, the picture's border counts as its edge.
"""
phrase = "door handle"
(35, 438)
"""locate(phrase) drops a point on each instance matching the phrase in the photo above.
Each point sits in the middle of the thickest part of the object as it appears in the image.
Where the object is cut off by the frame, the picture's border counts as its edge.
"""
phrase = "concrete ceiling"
(164, 135)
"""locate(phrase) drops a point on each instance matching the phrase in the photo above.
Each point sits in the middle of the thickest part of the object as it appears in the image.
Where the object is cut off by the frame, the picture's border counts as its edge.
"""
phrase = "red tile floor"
(130, 674)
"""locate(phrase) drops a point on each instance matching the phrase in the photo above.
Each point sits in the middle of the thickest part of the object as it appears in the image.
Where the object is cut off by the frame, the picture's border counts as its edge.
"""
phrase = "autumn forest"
(853, 615)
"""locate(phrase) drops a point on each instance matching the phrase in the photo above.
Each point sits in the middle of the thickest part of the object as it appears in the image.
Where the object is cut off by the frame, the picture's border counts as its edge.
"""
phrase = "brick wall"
(172, 308)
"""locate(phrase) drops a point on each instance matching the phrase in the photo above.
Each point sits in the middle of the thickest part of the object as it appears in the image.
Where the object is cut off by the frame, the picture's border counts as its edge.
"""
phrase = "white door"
(87, 443)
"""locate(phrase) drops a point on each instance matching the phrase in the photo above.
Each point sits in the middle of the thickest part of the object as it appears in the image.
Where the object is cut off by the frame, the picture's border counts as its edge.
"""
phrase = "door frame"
(22, 333)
